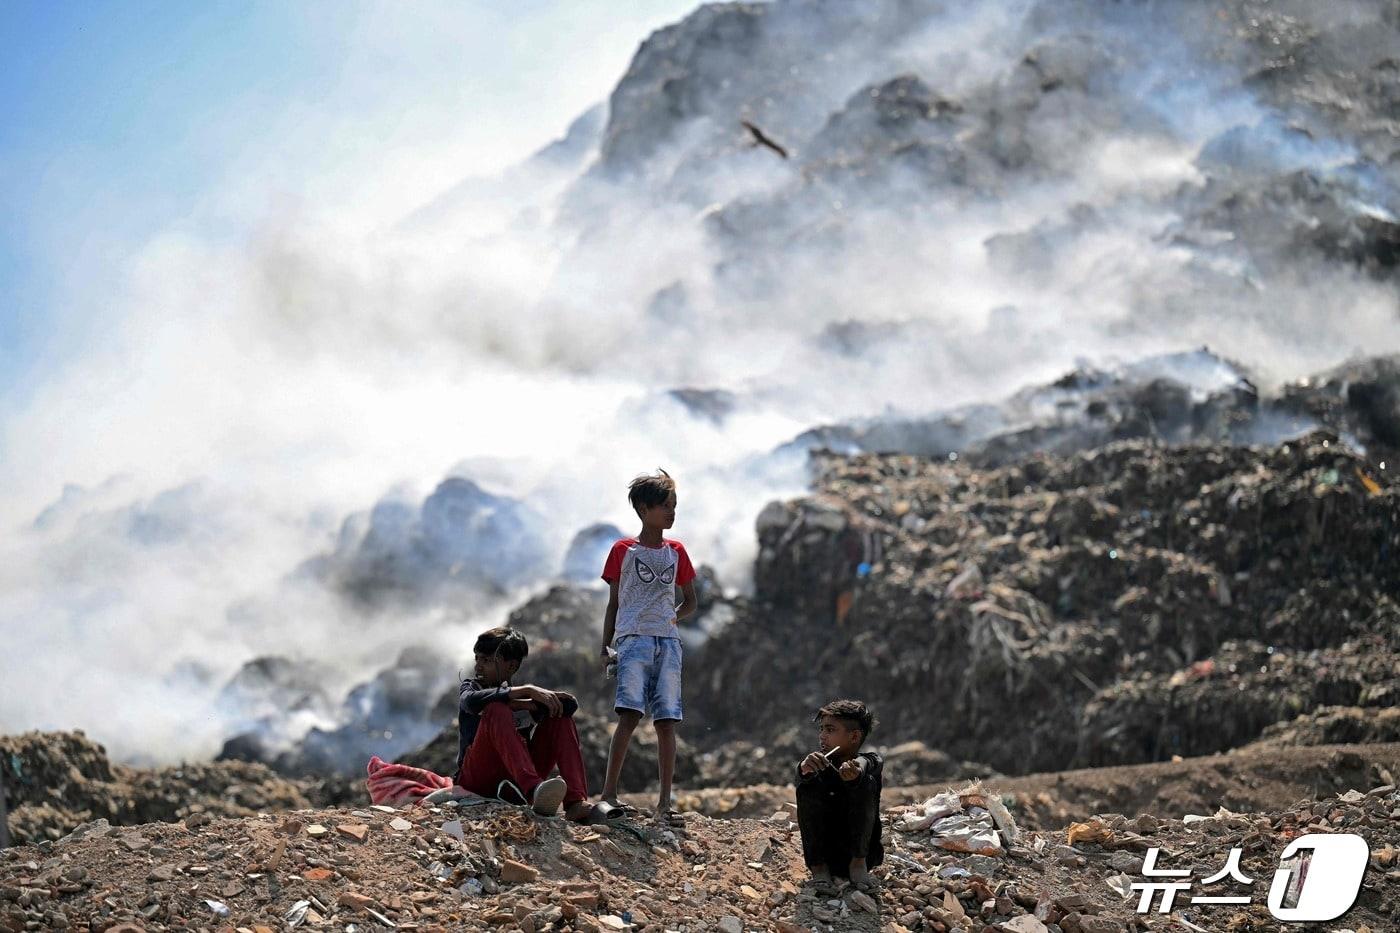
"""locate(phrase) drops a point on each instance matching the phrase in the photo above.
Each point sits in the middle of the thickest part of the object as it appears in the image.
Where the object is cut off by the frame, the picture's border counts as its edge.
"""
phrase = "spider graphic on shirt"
(648, 575)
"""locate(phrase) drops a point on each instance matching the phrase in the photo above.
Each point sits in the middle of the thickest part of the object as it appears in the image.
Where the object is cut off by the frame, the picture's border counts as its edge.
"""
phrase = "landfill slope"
(1124, 604)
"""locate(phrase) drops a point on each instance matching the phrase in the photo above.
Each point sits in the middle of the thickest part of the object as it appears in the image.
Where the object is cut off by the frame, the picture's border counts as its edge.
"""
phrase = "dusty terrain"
(491, 866)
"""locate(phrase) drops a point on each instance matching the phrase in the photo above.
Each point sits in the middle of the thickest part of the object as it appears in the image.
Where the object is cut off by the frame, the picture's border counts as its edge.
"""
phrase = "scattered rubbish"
(897, 859)
(962, 821)
(219, 909)
(381, 918)
(296, 914)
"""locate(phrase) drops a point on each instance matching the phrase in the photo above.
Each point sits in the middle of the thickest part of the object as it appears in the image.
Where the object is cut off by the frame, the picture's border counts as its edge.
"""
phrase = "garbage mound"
(1176, 398)
(1055, 612)
(56, 781)
(1234, 697)
(1330, 725)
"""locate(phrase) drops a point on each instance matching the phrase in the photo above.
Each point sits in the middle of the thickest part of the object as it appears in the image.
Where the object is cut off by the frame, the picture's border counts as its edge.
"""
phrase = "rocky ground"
(492, 866)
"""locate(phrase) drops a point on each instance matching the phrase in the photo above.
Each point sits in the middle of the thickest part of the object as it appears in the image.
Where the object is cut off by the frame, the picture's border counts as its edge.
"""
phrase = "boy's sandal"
(823, 889)
(604, 812)
(869, 887)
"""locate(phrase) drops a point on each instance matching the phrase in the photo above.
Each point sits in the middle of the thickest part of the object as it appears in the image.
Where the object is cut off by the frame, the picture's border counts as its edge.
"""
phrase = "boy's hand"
(814, 763)
(849, 770)
(546, 699)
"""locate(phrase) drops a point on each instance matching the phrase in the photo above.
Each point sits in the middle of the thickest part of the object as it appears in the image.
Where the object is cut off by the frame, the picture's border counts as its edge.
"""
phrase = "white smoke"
(257, 390)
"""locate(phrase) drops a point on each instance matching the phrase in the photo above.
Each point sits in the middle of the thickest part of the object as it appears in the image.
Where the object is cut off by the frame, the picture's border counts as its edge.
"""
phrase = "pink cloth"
(393, 784)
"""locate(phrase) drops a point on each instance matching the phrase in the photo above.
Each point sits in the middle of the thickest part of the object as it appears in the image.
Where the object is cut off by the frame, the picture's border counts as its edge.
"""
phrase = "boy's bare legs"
(666, 761)
(627, 720)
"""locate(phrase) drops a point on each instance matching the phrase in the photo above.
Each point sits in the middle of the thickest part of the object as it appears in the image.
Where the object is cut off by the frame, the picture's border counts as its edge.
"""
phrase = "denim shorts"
(649, 675)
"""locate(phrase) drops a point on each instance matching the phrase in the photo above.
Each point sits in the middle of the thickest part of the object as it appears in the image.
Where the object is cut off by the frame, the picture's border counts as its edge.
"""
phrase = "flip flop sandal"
(869, 887)
(823, 889)
(602, 812)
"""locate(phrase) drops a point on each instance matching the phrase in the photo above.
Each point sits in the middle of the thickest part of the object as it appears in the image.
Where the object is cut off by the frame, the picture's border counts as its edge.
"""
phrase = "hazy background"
(273, 275)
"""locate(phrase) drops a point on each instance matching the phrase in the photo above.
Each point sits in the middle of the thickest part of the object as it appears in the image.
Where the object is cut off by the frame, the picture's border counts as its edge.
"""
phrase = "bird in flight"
(760, 138)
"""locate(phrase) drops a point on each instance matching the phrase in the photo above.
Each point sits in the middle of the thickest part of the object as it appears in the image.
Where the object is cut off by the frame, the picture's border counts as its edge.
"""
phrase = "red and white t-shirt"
(647, 578)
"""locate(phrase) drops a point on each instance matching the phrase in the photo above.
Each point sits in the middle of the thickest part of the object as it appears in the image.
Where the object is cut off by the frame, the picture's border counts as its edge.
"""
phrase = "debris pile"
(969, 820)
(1051, 612)
(58, 780)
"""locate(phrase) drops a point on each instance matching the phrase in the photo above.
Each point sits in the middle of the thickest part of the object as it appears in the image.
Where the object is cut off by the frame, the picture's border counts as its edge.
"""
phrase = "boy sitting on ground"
(510, 738)
(838, 798)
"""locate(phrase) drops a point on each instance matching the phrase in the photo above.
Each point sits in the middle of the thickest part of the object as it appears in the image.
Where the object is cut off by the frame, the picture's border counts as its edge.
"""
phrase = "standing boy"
(838, 798)
(642, 616)
(510, 738)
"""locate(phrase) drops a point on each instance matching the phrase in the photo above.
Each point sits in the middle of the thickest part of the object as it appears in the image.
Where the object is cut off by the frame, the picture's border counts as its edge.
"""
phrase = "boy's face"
(492, 669)
(838, 733)
(660, 516)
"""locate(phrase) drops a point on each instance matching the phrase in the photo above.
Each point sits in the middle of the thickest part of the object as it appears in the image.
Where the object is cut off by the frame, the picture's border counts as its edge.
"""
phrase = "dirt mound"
(485, 865)
(1256, 778)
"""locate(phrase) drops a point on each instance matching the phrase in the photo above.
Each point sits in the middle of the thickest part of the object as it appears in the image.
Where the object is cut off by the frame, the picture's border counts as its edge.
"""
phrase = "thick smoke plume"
(328, 445)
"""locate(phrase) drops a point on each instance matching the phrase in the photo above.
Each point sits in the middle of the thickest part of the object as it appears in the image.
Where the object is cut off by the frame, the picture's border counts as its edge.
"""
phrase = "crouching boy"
(509, 739)
(838, 798)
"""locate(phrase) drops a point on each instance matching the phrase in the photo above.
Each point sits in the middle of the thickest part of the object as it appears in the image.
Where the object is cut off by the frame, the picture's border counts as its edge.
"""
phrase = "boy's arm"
(472, 700)
(688, 602)
(610, 617)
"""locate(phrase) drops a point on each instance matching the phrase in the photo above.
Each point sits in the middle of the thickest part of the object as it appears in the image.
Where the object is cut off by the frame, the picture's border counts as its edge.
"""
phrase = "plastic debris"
(220, 909)
(962, 821)
(904, 861)
(296, 914)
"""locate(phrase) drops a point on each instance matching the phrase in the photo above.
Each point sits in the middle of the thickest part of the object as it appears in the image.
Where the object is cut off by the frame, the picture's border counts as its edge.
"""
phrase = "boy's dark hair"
(505, 643)
(853, 712)
(650, 489)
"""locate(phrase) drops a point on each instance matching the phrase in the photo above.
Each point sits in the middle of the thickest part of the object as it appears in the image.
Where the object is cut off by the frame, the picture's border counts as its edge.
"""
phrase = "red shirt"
(646, 579)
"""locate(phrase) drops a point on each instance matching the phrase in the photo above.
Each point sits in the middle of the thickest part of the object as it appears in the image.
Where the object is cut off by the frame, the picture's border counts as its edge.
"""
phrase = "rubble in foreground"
(489, 866)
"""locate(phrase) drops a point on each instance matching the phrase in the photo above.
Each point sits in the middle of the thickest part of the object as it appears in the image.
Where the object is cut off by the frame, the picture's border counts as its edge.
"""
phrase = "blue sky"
(123, 120)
